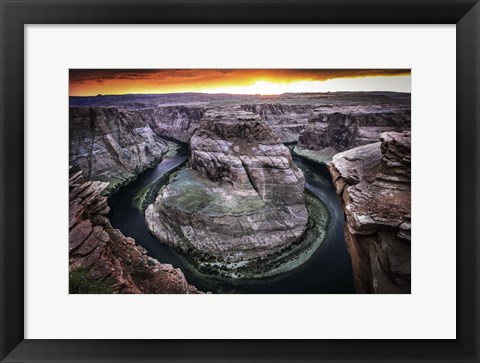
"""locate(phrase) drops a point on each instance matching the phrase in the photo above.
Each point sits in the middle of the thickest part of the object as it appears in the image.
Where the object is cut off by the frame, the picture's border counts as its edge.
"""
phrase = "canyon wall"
(112, 145)
(176, 116)
(104, 255)
(374, 184)
(286, 120)
(240, 199)
(328, 133)
(174, 122)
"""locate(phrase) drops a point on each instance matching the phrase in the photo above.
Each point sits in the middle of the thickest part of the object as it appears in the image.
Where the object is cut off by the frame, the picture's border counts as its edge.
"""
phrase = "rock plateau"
(241, 198)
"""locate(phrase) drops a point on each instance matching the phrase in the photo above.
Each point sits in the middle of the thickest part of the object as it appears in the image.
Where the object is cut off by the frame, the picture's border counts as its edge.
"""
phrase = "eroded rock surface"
(176, 116)
(374, 184)
(286, 120)
(329, 133)
(174, 122)
(106, 254)
(112, 145)
(240, 199)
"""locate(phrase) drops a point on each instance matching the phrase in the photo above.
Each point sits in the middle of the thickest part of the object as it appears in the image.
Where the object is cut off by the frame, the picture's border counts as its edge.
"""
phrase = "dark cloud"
(208, 75)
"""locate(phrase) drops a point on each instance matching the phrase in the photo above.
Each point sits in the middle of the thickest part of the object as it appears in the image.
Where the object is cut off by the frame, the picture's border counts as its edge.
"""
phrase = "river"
(328, 271)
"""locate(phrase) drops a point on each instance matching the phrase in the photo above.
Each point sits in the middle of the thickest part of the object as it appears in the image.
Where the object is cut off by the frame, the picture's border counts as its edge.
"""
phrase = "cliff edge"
(102, 259)
(374, 184)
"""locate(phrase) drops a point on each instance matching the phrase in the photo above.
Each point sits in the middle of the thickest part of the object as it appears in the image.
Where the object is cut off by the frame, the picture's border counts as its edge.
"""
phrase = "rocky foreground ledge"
(102, 259)
(241, 198)
(374, 184)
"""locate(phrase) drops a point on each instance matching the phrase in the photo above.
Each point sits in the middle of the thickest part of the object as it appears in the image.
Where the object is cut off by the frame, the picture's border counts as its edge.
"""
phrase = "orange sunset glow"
(91, 82)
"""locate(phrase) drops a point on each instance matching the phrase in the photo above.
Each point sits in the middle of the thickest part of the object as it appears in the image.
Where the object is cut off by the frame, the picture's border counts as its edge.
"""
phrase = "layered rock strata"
(174, 122)
(327, 134)
(286, 120)
(373, 183)
(112, 145)
(323, 124)
(176, 116)
(105, 254)
(242, 197)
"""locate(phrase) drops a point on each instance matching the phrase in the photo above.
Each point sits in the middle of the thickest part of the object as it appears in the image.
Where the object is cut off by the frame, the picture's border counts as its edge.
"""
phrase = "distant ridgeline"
(115, 137)
(153, 100)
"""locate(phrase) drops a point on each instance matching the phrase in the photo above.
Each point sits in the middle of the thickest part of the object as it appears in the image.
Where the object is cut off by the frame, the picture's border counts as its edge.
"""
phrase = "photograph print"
(239, 181)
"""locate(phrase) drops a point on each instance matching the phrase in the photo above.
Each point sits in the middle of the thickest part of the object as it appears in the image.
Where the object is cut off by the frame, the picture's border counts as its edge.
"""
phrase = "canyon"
(107, 147)
(241, 201)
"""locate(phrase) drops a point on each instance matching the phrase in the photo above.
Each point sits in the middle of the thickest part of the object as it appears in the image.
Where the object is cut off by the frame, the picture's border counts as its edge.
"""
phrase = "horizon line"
(237, 94)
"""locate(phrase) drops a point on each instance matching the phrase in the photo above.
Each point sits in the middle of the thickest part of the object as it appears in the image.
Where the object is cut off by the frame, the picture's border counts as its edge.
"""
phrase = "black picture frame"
(15, 14)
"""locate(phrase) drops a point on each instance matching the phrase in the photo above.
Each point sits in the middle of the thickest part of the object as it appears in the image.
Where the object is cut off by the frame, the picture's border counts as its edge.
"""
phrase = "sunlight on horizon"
(264, 87)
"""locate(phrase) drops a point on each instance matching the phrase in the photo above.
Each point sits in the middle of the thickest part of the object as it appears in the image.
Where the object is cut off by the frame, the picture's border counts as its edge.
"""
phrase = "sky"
(91, 82)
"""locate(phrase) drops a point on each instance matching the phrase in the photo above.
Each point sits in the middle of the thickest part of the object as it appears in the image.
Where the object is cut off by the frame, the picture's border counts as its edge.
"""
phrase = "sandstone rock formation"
(106, 254)
(331, 132)
(373, 182)
(112, 145)
(176, 116)
(174, 122)
(240, 199)
(286, 120)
